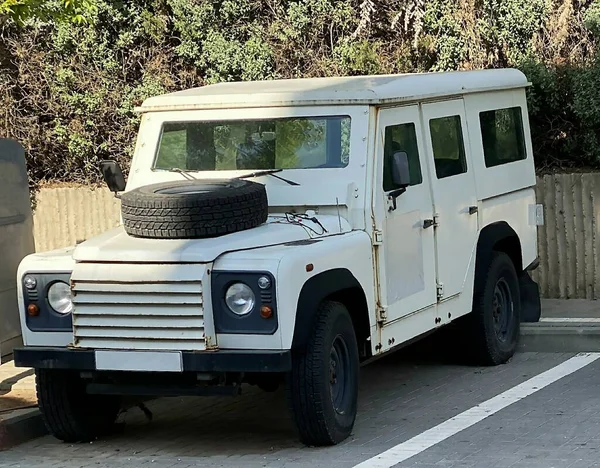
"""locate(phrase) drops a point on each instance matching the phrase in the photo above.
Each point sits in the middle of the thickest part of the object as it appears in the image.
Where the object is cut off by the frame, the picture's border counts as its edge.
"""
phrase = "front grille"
(136, 312)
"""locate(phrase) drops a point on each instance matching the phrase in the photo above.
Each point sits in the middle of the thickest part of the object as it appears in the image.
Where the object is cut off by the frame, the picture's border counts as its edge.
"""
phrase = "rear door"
(454, 196)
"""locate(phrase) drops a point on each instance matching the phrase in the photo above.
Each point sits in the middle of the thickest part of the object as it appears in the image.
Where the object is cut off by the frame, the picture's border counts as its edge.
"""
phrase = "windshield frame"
(331, 183)
(341, 117)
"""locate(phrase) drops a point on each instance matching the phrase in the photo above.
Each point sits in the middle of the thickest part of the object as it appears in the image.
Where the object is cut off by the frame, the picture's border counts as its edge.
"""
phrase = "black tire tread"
(68, 412)
(207, 215)
(306, 399)
(484, 349)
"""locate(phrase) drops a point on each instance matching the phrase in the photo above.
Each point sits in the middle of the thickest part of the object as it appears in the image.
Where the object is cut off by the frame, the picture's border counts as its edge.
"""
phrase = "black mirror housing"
(113, 175)
(400, 171)
(400, 176)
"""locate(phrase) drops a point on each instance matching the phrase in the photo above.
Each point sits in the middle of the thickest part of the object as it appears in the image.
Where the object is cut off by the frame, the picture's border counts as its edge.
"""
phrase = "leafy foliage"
(62, 10)
(67, 90)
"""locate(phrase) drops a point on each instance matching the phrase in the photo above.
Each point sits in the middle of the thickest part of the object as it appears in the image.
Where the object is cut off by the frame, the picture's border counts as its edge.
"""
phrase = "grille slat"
(141, 333)
(181, 310)
(190, 287)
(138, 315)
(135, 322)
(108, 297)
(139, 344)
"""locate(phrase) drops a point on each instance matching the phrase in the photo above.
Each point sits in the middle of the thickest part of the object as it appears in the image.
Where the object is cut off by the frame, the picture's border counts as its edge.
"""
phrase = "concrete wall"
(64, 216)
(568, 243)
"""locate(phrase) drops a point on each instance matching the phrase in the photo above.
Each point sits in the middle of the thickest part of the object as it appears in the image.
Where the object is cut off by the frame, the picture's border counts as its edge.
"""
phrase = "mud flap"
(531, 308)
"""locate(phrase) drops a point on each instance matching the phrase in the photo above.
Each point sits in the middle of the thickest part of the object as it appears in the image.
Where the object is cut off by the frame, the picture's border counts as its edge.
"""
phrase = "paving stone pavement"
(559, 426)
(401, 396)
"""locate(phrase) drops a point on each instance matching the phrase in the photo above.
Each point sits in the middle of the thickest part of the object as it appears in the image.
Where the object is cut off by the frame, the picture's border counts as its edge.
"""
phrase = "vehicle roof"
(348, 90)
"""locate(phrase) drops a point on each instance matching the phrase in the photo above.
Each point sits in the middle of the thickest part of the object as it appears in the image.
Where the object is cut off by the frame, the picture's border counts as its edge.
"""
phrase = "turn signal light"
(266, 312)
(33, 310)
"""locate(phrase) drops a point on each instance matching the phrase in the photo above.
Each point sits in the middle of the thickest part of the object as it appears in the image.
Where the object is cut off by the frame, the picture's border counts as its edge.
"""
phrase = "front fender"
(338, 263)
(314, 291)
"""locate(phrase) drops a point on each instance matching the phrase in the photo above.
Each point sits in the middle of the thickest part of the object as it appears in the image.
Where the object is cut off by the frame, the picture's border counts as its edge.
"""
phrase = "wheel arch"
(499, 237)
(339, 285)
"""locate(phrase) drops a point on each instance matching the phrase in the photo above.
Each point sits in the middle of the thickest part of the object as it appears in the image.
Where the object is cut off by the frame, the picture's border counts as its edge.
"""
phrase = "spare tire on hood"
(194, 209)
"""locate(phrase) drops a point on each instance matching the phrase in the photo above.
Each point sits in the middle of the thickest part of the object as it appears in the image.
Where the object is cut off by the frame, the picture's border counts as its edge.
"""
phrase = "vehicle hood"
(118, 246)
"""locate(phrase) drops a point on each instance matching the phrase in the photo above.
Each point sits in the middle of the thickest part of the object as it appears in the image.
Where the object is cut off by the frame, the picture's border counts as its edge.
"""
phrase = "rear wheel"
(495, 321)
(71, 414)
(324, 380)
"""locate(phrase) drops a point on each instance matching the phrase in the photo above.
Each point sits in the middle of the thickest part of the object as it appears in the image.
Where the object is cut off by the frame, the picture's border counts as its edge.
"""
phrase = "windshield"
(290, 143)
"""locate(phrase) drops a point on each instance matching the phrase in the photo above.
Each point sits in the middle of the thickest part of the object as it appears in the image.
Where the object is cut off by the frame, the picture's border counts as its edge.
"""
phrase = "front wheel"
(323, 385)
(71, 414)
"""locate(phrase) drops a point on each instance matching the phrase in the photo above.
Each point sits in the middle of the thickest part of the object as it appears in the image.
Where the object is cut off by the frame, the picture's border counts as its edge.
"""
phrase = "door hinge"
(435, 222)
(381, 314)
(440, 290)
(377, 237)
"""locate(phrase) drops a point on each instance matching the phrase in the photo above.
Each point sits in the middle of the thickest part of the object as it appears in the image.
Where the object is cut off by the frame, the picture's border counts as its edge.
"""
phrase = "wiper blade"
(270, 172)
(184, 173)
(188, 175)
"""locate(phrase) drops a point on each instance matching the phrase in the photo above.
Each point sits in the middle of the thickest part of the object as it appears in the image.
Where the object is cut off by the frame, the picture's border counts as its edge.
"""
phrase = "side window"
(402, 137)
(448, 146)
(502, 136)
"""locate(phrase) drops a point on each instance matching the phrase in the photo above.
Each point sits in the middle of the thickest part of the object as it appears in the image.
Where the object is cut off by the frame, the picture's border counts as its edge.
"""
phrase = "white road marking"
(570, 320)
(478, 413)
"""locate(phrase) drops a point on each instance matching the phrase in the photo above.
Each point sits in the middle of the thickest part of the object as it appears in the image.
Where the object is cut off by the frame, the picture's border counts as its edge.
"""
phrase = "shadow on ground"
(259, 422)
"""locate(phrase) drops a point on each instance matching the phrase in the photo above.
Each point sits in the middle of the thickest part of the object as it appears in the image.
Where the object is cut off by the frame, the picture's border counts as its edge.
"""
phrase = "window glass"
(502, 136)
(401, 137)
(291, 143)
(448, 146)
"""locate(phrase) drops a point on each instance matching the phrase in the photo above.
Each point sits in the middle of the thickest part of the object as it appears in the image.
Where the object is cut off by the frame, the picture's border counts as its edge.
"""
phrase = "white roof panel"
(349, 90)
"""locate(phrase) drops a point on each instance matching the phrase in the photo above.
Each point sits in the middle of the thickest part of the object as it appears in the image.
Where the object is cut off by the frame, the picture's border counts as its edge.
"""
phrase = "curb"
(20, 426)
(560, 337)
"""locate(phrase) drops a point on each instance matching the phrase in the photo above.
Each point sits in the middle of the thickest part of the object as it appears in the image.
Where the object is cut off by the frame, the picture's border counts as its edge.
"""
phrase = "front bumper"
(207, 361)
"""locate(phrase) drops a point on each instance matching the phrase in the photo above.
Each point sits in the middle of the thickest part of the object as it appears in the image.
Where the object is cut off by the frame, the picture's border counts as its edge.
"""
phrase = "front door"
(454, 195)
(407, 254)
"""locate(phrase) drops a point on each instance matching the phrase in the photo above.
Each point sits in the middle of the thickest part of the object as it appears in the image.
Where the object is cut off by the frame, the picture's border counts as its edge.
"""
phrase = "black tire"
(70, 414)
(495, 321)
(194, 209)
(324, 398)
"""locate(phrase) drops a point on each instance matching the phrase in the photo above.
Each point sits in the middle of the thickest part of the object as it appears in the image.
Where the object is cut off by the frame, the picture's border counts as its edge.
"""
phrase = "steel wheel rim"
(339, 374)
(502, 309)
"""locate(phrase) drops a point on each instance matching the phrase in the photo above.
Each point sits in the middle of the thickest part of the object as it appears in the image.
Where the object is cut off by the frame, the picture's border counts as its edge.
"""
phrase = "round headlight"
(59, 298)
(30, 282)
(240, 299)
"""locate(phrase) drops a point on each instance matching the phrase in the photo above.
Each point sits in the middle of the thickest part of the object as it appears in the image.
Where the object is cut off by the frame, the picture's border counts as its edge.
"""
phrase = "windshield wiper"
(270, 172)
(188, 175)
(184, 173)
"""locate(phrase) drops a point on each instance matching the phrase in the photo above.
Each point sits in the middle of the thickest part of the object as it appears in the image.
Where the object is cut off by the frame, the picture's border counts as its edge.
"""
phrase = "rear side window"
(502, 136)
(402, 137)
(448, 146)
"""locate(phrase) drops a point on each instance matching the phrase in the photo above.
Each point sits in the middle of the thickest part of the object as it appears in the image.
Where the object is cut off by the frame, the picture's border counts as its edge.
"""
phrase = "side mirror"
(400, 176)
(400, 172)
(113, 175)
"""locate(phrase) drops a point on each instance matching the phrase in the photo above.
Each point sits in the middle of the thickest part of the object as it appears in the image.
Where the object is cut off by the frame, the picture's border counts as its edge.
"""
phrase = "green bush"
(67, 90)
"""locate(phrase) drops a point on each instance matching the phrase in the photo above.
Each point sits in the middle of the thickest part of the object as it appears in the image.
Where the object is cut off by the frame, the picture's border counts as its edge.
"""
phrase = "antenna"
(337, 204)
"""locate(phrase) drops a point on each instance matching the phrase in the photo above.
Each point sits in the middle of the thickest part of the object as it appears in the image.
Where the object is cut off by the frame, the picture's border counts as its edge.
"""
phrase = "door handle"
(473, 210)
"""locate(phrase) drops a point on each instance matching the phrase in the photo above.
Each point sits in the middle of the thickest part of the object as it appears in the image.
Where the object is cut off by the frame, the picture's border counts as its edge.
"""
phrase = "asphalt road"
(414, 408)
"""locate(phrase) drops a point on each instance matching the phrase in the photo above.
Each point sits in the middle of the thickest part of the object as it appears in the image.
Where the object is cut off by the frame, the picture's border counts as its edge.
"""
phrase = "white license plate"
(141, 361)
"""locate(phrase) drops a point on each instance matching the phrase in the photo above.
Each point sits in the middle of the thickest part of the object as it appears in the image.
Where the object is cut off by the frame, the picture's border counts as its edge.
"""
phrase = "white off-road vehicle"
(288, 231)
